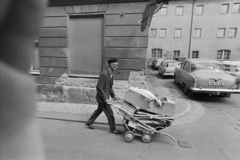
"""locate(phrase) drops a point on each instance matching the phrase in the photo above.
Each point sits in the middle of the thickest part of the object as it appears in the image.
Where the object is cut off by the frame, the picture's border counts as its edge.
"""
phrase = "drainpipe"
(190, 38)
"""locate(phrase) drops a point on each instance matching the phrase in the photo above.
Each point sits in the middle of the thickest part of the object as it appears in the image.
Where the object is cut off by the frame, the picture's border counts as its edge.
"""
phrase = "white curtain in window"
(224, 8)
(163, 11)
(221, 32)
(178, 33)
(199, 10)
(179, 10)
(236, 8)
(232, 32)
(197, 32)
(162, 33)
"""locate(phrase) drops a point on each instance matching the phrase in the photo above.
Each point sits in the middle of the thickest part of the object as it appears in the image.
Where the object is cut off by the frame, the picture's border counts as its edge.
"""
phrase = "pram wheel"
(129, 136)
(146, 138)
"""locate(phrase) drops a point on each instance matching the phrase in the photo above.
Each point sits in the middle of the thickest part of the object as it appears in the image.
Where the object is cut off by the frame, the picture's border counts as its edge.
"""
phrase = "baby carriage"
(141, 122)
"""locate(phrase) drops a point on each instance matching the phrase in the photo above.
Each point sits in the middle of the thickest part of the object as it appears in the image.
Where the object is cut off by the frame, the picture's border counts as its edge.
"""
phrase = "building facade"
(76, 40)
(196, 29)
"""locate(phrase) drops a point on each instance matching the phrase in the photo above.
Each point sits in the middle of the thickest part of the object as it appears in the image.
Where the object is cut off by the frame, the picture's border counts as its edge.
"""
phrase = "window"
(153, 33)
(232, 32)
(35, 62)
(199, 10)
(178, 33)
(195, 54)
(162, 32)
(197, 33)
(156, 53)
(179, 10)
(224, 8)
(176, 53)
(236, 8)
(221, 32)
(163, 11)
(223, 54)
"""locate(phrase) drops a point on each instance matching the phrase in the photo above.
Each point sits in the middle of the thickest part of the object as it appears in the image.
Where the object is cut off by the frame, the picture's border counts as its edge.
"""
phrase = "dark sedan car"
(205, 76)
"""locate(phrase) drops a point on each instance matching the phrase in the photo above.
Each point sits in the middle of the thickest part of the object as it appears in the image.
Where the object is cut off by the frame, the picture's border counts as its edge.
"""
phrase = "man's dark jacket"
(104, 86)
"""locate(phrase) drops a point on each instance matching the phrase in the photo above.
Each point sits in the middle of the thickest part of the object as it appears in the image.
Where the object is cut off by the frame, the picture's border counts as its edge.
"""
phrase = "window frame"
(219, 35)
(222, 8)
(178, 11)
(153, 35)
(176, 52)
(224, 53)
(176, 33)
(31, 70)
(160, 33)
(157, 52)
(238, 8)
(235, 32)
(199, 12)
(160, 11)
(195, 34)
(195, 54)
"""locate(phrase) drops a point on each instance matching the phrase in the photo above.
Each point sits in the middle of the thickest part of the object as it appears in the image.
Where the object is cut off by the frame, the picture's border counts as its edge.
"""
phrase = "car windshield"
(209, 66)
(172, 64)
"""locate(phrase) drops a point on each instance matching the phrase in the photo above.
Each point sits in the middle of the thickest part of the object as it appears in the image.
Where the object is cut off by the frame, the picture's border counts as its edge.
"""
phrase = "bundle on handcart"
(143, 114)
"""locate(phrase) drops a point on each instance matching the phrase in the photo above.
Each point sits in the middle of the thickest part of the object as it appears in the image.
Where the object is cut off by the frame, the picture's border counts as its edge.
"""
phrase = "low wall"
(83, 90)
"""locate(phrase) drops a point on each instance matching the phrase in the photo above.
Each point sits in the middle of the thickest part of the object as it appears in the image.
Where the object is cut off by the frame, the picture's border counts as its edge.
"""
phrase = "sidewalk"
(187, 111)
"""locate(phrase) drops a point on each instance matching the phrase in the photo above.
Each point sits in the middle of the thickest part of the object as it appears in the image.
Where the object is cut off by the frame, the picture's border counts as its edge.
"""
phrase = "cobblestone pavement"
(227, 110)
(165, 88)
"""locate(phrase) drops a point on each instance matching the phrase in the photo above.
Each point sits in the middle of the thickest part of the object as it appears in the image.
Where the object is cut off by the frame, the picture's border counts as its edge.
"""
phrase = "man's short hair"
(112, 60)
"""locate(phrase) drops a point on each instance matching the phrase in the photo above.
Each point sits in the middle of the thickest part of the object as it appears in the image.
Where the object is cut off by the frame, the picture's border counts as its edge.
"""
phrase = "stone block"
(82, 95)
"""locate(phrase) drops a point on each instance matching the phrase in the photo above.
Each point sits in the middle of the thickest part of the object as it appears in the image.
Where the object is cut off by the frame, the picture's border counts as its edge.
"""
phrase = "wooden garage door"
(86, 45)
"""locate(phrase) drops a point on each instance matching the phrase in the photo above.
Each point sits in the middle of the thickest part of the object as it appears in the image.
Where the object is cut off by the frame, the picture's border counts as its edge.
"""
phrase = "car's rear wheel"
(188, 92)
(175, 79)
(185, 89)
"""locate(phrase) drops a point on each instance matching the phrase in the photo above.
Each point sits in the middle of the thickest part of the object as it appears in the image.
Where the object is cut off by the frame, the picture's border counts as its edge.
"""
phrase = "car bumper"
(169, 74)
(211, 90)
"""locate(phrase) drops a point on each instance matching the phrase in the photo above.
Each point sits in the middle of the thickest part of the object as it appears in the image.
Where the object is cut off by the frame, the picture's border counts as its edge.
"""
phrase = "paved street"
(211, 129)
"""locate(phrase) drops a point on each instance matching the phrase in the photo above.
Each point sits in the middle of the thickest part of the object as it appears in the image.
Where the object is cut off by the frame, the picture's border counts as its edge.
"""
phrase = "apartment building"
(196, 29)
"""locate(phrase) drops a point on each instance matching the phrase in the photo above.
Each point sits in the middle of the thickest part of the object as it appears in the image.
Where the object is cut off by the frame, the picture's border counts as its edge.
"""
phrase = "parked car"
(179, 59)
(167, 67)
(205, 76)
(232, 67)
(156, 62)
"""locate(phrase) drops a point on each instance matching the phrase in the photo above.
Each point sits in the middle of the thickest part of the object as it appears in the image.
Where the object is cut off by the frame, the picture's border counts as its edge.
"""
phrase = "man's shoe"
(89, 126)
(116, 132)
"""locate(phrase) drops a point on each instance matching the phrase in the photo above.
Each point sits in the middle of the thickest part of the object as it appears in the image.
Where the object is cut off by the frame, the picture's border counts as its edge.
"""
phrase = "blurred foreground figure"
(20, 21)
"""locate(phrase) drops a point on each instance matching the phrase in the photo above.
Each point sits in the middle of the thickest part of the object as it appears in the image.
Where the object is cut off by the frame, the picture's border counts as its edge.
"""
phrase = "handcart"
(140, 122)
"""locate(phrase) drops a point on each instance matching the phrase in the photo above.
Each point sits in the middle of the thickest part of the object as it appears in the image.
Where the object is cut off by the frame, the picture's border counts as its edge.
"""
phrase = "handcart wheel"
(146, 138)
(129, 136)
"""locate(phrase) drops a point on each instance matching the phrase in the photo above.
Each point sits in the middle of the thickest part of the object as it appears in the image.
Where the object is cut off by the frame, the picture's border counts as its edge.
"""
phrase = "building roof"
(84, 2)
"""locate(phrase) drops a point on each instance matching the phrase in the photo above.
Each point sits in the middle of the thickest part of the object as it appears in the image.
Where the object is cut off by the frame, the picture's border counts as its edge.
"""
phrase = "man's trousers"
(106, 108)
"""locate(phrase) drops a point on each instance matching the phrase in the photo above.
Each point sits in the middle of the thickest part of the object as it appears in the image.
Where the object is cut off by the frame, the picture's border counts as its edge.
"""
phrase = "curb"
(196, 112)
(193, 112)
